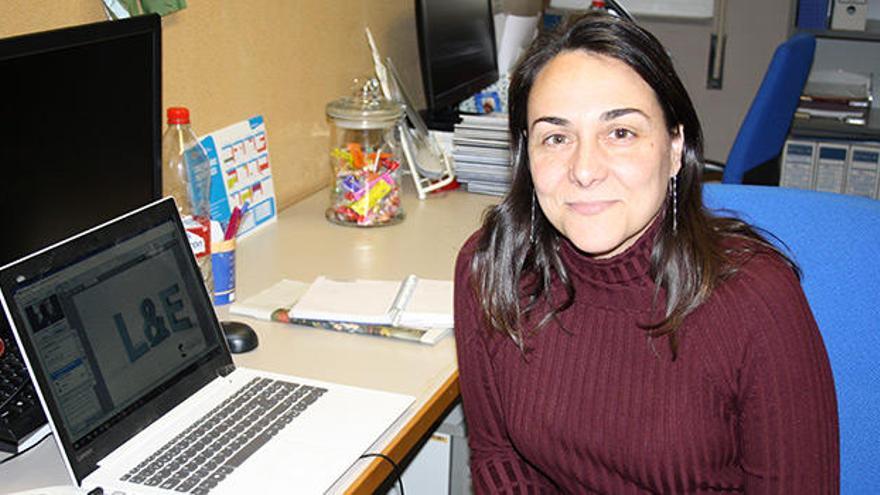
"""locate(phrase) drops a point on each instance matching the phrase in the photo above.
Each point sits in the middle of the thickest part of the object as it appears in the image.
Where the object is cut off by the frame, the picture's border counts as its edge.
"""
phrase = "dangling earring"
(519, 147)
(674, 203)
(532, 221)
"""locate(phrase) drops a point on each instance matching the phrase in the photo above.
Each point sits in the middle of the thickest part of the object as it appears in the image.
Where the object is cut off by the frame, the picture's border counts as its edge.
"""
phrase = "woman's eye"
(621, 133)
(555, 139)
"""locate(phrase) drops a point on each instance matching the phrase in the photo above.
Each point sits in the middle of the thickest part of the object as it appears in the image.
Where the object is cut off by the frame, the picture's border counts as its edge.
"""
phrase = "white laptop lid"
(152, 337)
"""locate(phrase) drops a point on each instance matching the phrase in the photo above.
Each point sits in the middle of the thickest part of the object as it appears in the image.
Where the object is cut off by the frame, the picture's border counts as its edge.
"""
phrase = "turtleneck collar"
(631, 267)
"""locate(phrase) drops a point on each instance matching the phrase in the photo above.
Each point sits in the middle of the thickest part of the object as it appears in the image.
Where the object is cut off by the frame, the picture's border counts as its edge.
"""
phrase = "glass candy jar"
(365, 189)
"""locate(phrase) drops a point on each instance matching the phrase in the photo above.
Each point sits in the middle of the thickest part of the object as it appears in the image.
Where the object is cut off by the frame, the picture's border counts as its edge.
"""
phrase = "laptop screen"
(113, 320)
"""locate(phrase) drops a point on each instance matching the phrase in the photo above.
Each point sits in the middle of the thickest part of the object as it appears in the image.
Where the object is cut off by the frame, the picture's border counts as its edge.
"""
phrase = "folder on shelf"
(854, 116)
(836, 95)
(863, 171)
(831, 161)
(798, 159)
(812, 14)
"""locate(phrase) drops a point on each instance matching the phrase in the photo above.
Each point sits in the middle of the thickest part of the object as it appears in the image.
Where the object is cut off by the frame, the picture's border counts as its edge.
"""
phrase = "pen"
(233, 224)
(235, 221)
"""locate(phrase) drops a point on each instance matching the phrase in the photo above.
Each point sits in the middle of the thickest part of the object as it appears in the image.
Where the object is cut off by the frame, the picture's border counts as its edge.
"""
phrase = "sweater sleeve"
(495, 465)
(787, 428)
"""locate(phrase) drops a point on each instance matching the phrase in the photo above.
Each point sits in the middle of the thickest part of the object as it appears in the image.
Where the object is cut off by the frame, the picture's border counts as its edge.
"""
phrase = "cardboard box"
(850, 15)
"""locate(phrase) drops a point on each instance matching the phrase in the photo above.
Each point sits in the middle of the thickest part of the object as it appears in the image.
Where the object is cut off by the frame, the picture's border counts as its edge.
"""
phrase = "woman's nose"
(588, 165)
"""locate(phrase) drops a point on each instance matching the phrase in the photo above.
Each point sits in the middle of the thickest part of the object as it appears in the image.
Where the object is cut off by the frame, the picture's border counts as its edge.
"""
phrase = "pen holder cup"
(223, 266)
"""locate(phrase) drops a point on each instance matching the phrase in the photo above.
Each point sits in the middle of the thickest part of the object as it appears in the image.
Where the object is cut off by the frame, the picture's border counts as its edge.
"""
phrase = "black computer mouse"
(240, 337)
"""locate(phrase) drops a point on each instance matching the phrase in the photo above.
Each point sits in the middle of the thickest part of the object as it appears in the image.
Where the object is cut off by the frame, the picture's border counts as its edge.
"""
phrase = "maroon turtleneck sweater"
(748, 406)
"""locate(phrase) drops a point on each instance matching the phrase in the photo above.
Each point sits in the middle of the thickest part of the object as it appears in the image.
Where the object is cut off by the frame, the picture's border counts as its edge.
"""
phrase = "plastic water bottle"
(187, 177)
(602, 6)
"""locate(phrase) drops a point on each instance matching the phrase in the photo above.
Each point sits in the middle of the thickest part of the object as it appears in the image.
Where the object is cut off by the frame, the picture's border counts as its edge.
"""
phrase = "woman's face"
(600, 152)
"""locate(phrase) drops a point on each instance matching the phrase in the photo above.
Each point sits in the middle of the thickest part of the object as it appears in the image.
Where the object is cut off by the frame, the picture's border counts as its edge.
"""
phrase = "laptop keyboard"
(20, 410)
(214, 446)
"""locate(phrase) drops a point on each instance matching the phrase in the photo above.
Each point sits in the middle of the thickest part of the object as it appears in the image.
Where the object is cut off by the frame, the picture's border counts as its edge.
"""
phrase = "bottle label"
(198, 233)
(199, 176)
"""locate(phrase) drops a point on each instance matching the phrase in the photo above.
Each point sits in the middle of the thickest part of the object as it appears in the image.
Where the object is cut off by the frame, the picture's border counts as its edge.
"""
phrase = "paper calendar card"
(240, 174)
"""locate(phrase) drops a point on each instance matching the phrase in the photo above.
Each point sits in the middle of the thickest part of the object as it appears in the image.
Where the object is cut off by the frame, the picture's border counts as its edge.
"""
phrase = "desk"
(302, 245)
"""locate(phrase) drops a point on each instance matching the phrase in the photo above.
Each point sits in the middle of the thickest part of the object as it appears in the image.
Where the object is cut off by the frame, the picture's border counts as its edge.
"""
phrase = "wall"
(754, 29)
(285, 59)
(518, 7)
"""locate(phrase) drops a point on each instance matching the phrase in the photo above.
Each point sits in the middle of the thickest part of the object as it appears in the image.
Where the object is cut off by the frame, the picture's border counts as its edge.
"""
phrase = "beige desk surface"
(302, 245)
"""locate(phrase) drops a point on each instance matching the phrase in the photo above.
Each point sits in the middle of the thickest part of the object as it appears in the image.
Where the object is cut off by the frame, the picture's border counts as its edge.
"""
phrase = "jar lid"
(366, 109)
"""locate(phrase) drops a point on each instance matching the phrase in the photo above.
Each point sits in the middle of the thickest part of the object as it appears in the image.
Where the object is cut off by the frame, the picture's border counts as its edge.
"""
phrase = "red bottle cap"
(178, 115)
(598, 4)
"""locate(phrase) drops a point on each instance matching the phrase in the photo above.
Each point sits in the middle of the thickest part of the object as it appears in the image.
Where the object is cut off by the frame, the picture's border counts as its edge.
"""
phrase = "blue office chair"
(765, 127)
(835, 239)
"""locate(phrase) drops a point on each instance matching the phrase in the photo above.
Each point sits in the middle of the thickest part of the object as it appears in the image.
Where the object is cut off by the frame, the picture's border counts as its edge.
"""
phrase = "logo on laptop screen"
(155, 327)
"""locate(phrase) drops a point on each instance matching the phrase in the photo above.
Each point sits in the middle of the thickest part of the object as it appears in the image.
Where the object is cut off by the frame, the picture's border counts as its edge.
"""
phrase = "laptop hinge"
(224, 371)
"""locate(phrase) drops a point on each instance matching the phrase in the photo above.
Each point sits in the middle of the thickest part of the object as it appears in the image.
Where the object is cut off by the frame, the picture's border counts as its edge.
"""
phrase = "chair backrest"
(835, 239)
(765, 127)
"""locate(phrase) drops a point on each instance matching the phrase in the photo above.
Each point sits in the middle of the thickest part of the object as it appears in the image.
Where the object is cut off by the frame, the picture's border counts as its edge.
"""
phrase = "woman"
(614, 336)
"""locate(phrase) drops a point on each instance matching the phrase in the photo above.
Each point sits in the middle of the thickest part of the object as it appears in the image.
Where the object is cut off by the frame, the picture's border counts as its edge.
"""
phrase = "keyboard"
(200, 457)
(22, 413)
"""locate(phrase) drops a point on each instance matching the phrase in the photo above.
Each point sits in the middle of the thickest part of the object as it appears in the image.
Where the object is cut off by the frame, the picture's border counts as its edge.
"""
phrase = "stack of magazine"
(836, 96)
(481, 149)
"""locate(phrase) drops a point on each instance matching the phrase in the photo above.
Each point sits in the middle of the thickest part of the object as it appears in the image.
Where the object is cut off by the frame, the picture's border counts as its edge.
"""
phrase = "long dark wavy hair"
(517, 261)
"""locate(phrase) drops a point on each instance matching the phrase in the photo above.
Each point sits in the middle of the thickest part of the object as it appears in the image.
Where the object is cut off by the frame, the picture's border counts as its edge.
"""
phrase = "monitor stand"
(441, 119)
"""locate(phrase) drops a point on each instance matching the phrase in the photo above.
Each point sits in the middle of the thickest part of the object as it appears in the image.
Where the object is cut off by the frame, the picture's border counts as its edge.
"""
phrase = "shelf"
(871, 32)
(836, 130)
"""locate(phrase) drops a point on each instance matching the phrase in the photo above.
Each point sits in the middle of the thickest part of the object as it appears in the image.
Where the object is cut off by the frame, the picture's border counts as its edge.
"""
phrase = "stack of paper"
(362, 301)
(481, 149)
(836, 95)
(413, 309)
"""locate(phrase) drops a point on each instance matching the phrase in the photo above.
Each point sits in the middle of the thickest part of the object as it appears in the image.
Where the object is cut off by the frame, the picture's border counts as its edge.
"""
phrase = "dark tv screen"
(81, 128)
(456, 48)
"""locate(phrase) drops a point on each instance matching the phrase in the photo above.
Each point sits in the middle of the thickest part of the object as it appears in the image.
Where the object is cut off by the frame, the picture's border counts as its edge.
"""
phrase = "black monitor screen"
(457, 49)
(81, 129)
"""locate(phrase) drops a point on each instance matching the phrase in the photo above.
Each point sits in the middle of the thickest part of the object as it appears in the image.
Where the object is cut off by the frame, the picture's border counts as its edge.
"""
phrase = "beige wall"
(518, 7)
(285, 59)
(228, 60)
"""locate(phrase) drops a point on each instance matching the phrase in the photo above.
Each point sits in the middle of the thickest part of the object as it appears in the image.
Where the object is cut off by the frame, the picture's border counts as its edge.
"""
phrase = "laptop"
(132, 369)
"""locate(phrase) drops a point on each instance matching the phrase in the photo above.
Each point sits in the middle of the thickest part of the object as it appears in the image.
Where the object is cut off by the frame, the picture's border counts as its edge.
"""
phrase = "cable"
(38, 442)
(397, 472)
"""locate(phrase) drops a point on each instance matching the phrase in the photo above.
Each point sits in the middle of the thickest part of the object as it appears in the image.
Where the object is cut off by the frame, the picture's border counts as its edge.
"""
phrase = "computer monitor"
(80, 131)
(457, 52)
